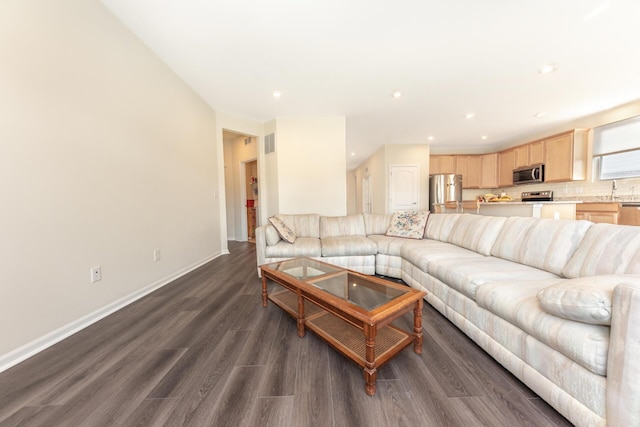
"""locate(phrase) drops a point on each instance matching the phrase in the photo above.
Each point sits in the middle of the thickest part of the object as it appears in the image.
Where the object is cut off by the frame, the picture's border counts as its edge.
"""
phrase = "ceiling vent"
(270, 143)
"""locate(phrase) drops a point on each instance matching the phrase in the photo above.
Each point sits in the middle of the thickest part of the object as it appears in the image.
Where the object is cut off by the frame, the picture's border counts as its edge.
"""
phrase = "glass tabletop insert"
(305, 268)
(358, 290)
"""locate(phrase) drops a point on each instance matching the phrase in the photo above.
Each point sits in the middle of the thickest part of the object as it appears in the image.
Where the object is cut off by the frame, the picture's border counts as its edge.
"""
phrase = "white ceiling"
(449, 57)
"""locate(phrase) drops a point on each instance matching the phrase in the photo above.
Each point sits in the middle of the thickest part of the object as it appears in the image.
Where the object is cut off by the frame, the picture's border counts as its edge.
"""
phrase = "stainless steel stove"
(537, 196)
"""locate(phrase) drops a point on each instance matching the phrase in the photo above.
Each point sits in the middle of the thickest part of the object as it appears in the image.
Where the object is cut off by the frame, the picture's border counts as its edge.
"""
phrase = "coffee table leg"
(370, 370)
(264, 290)
(300, 315)
(417, 327)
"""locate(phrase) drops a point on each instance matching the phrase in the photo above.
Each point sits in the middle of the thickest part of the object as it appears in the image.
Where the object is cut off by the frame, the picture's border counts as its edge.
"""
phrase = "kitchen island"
(556, 210)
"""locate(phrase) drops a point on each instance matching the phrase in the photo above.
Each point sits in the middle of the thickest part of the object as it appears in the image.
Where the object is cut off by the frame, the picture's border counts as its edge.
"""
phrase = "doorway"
(240, 165)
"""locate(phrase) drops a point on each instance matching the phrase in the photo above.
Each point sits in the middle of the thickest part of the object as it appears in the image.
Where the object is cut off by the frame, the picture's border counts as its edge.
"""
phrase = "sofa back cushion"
(606, 249)
(440, 226)
(376, 223)
(543, 243)
(349, 225)
(303, 225)
(477, 232)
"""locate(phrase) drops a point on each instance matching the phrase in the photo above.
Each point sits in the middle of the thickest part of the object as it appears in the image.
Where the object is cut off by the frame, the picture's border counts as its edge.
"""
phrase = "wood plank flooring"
(202, 351)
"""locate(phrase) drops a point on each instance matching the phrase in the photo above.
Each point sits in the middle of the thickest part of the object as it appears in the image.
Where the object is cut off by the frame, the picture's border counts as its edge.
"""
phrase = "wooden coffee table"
(350, 311)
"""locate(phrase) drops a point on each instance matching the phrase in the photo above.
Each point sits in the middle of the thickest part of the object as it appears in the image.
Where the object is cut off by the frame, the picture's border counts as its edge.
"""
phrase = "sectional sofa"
(556, 302)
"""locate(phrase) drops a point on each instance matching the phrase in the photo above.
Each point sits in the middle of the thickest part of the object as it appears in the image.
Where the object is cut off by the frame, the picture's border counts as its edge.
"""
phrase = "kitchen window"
(616, 149)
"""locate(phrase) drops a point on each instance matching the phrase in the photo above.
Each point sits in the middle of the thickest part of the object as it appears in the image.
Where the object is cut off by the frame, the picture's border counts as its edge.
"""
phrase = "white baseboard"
(36, 346)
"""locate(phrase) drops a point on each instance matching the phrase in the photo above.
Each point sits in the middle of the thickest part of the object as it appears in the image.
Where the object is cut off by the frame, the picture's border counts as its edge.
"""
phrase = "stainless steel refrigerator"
(443, 188)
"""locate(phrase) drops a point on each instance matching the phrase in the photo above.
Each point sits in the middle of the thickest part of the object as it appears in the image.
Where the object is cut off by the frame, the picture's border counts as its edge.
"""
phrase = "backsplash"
(600, 191)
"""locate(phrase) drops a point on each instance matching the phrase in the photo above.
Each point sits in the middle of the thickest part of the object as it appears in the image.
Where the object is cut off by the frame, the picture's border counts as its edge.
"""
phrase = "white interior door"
(404, 186)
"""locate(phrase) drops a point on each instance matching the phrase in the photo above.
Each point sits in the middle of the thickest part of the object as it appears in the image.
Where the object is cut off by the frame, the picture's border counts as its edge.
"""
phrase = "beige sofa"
(557, 303)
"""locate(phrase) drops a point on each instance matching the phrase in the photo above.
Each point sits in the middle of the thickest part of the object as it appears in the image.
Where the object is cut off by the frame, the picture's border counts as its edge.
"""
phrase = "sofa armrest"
(261, 247)
(623, 366)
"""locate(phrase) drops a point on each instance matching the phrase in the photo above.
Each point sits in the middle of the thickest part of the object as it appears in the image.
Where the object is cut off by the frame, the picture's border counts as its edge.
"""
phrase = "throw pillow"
(285, 232)
(586, 299)
(408, 224)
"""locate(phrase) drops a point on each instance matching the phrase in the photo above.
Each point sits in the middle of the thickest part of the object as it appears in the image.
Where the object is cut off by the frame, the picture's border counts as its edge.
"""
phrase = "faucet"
(614, 187)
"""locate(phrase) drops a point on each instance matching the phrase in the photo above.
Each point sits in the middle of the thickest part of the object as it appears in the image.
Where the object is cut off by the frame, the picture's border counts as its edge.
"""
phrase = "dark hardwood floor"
(202, 351)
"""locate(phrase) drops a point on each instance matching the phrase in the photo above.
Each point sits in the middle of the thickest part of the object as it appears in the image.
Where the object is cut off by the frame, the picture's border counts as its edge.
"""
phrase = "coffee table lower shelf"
(342, 335)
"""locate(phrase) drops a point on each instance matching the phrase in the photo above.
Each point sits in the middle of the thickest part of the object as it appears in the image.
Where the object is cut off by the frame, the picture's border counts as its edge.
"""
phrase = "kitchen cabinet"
(598, 212)
(529, 154)
(489, 170)
(629, 215)
(565, 157)
(442, 164)
(470, 169)
(521, 154)
(536, 153)
(506, 164)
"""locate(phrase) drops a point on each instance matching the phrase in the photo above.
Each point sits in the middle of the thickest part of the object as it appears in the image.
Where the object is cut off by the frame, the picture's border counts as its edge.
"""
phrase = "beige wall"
(311, 165)
(105, 155)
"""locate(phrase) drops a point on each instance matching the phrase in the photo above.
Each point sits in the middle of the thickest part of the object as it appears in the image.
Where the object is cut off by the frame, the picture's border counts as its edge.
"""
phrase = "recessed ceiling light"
(353, 154)
(397, 93)
(469, 115)
(540, 114)
(548, 68)
(430, 138)
(483, 137)
(277, 94)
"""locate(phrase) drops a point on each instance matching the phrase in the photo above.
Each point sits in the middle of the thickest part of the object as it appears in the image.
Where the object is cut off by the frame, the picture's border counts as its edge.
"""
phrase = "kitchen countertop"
(520, 202)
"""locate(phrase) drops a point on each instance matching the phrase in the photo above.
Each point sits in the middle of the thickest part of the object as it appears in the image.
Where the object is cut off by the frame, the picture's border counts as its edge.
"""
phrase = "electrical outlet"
(156, 254)
(96, 274)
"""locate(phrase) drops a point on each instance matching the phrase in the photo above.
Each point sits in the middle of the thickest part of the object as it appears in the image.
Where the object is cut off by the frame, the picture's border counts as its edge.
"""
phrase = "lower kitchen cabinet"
(598, 212)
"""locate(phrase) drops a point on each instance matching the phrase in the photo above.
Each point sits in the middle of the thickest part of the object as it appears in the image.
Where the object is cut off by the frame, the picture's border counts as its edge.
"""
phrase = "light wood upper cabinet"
(506, 164)
(489, 170)
(442, 164)
(470, 169)
(565, 157)
(536, 153)
(521, 154)
(529, 154)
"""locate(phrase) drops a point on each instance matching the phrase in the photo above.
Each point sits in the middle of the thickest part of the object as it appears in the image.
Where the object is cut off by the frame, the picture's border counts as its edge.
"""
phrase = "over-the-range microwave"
(528, 175)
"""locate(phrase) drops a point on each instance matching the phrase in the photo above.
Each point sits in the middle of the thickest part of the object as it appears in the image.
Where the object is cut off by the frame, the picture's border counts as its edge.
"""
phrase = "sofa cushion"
(304, 225)
(544, 243)
(409, 224)
(376, 223)
(303, 246)
(440, 226)
(271, 235)
(585, 299)
(467, 275)
(421, 252)
(347, 245)
(349, 225)
(287, 234)
(477, 232)
(606, 249)
(388, 245)
(516, 302)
